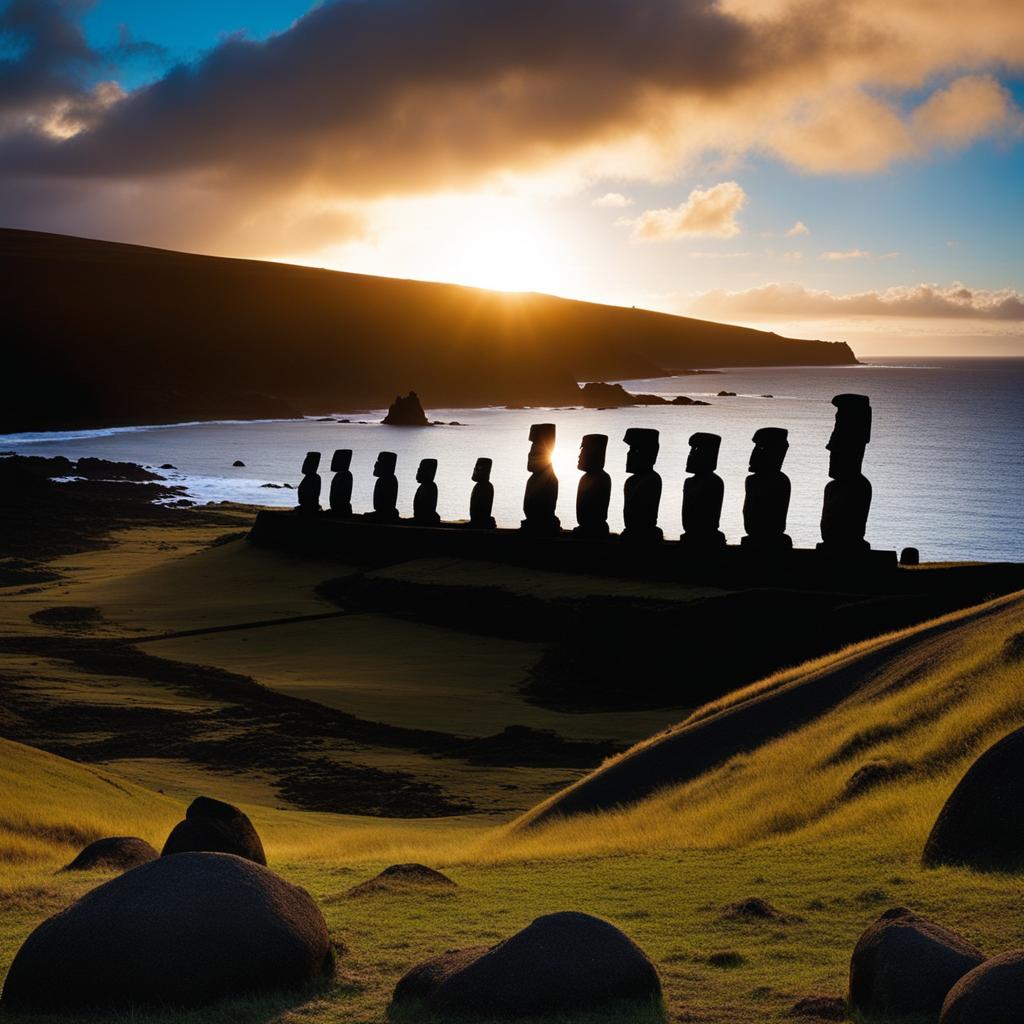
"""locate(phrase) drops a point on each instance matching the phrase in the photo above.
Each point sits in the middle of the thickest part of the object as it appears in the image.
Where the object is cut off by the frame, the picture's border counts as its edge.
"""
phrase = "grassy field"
(782, 822)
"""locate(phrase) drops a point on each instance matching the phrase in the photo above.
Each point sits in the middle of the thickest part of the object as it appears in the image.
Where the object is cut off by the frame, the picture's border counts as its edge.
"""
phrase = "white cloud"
(612, 201)
(799, 228)
(707, 213)
(845, 254)
(953, 301)
(969, 108)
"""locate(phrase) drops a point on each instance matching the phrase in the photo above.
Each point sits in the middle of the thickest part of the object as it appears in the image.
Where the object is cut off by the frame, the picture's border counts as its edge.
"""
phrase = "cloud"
(922, 300)
(799, 228)
(845, 254)
(361, 100)
(710, 213)
(612, 201)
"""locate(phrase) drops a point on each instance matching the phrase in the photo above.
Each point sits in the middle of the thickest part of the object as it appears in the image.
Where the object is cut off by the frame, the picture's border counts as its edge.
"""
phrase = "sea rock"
(178, 931)
(993, 993)
(403, 878)
(168, 465)
(214, 826)
(104, 469)
(238, 462)
(113, 853)
(726, 394)
(982, 823)
(686, 400)
(406, 411)
(561, 963)
(904, 964)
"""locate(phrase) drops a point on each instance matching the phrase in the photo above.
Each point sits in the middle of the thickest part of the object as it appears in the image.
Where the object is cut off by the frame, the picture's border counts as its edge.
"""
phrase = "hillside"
(101, 333)
(873, 737)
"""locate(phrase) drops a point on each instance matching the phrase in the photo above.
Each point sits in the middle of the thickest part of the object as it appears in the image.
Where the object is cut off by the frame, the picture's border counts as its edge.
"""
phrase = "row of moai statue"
(765, 507)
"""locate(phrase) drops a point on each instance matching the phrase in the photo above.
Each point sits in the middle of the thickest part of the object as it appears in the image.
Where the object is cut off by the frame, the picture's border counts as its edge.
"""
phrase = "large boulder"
(213, 826)
(115, 853)
(180, 931)
(904, 964)
(993, 993)
(562, 963)
(982, 823)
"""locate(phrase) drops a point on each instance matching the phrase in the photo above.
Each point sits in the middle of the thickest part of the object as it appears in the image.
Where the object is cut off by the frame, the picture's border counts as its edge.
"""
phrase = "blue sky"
(948, 213)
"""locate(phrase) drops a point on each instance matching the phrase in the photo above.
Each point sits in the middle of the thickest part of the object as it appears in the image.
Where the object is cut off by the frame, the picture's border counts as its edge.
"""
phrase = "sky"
(845, 169)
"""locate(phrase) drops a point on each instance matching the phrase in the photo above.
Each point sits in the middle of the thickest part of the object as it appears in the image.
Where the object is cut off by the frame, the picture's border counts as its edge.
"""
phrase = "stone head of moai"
(542, 446)
(593, 451)
(644, 445)
(311, 463)
(427, 471)
(770, 447)
(341, 460)
(850, 435)
(703, 456)
(482, 471)
(385, 464)
(309, 486)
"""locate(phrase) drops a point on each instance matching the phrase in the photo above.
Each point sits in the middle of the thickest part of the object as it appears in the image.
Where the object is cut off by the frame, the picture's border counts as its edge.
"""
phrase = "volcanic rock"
(993, 993)
(113, 853)
(403, 878)
(406, 411)
(214, 826)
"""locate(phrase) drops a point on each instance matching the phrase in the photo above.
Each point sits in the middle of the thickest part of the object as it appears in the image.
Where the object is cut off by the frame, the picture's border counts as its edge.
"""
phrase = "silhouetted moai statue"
(702, 495)
(541, 495)
(766, 502)
(481, 501)
(385, 490)
(595, 487)
(643, 487)
(309, 487)
(424, 502)
(844, 514)
(341, 483)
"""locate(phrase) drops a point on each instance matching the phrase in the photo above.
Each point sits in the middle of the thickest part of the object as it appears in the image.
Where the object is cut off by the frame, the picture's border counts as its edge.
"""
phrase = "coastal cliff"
(101, 333)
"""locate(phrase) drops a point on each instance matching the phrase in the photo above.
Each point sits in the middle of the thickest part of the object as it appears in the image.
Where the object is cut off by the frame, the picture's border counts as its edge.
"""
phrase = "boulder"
(993, 993)
(216, 827)
(115, 853)
(178, 931)
(238, 462)
(403, 878)
(561, 963)
(406, 411)
(904, 964)
(982, 823)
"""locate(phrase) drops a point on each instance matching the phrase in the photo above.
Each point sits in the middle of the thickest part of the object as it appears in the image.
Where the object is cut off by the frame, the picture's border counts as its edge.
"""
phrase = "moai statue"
(702, 495)
(385, 490)
(341, 483)
(844, 515)
(309, 487)
(643, 487)
(595, 488)
(481, 501)
(766, 502)
(424, 502)
(541, 495)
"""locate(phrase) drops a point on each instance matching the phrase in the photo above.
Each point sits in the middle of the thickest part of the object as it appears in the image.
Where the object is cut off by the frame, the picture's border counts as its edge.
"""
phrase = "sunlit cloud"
(799, 228)
(953, 301)
(836, 255)
(612, 201)
(709, 212)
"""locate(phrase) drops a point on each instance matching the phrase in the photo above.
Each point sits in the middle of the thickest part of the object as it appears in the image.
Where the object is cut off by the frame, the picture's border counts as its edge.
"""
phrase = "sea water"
(946, 458)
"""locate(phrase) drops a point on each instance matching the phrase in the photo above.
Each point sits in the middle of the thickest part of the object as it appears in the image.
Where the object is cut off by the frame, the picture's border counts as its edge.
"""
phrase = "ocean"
(946, 459)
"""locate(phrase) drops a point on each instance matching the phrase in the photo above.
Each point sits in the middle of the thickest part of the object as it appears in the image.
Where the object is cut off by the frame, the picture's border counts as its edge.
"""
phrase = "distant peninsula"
(107, 334)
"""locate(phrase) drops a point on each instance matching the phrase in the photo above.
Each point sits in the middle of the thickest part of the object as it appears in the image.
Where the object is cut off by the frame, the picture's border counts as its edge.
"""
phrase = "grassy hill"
(104, 333)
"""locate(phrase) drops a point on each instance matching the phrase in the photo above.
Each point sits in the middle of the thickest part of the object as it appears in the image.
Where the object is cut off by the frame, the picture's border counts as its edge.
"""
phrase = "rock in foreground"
(406, 411)
(213, 826)
(115, 853)
(982, 823)
(178, 931)
(562, 963)
(904, 964)
(992, 993)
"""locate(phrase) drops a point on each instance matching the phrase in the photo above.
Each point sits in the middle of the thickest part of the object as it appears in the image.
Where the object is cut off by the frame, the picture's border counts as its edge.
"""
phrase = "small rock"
(403, 877)
(819, 1008)
(904, 964)
(214, 826)
(167, 465)
(993, 993)
(757, 909)
(726, 394)
(238, 462)
(562, 963)
(115, 853)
